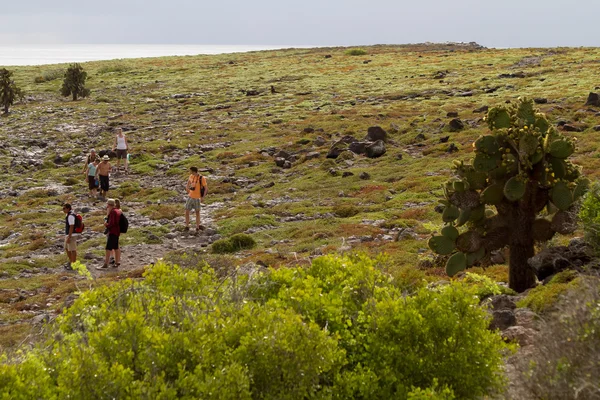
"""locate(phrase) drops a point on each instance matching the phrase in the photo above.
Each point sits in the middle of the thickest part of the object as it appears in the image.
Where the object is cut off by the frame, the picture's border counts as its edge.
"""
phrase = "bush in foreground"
(338, 329)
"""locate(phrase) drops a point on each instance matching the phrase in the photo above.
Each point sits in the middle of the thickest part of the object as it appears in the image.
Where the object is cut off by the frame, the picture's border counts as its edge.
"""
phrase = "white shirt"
(71, 221)
(121, 143)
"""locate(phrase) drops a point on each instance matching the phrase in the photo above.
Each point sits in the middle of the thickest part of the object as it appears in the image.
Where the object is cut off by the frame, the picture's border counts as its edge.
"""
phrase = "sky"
(507, 23)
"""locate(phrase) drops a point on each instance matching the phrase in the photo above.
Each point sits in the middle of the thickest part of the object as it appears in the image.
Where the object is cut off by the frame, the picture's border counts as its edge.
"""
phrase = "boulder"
(540, 100)
(452, 148)
(358, 147)
(319, 141)
(593, 100)
(481, 109)
(282, 154)
(502, 319)
(346, 174)
(280, 161)
(336, 149)
(452, 114)
(572, 128)
(456, 125)
(519, 334)
(376, 149)
(364, 176)
(312, 155)
(501, 302)
(375, 133)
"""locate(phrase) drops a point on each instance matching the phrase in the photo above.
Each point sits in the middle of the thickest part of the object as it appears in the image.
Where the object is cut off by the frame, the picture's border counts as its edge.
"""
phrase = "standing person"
(102, 172)
(70, 236)
(91, 176)
(90, 158)
(112, 240)
(121, 148)
(196, 189)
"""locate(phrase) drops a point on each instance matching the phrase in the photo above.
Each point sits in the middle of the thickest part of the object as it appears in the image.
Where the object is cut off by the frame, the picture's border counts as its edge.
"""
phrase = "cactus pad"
(493, 194)
(477, 180)
(498, 118)
(583, 185)
(561, 148)
(450, 232)
(487, 144)
(469, 242)
(465, 200)
(559, 168)
(525, 111)
(514, 189)
(561, 196)
(528, 144)
(485, 162)
(456, 263)
(450, 214)
(441, 245)
(472, 258)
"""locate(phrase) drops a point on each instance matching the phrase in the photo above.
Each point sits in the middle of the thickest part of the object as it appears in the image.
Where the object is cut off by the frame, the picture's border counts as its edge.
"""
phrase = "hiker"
(90, 158)
(70, 236)
(196, 188)
(91, 176)
(121, 148)
(112, 239)
(117, 207)
(102, 172)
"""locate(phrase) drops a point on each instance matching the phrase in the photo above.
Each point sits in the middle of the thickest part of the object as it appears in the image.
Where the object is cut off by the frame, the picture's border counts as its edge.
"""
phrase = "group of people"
(112, 230)
(97, 171)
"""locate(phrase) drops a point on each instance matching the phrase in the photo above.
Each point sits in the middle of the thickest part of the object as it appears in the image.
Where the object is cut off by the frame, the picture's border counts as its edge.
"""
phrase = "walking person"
(91, 176)
(70, 236)
(122, 148)
(112, 239)
(102, 172)
(90, 158)
(196, 189)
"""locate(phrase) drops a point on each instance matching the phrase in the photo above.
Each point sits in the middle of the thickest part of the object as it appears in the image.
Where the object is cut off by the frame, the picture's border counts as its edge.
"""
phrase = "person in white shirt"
(121, 147)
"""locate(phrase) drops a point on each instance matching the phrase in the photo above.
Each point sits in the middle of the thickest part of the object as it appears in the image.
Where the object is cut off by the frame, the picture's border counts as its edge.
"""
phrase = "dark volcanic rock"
(358, 147)
(364, 176)
(481, 109)
(452, 148)
(456, 125)
(452, 114)
(572, 128)
(376, 149)
(540, 100)
(375, 133)
(593, 100)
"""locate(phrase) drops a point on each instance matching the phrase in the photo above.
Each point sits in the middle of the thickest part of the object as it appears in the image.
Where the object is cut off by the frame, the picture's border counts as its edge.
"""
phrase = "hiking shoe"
(116, 265)
(68, 267)
(104, 266)
(187, 228)
(112, 261)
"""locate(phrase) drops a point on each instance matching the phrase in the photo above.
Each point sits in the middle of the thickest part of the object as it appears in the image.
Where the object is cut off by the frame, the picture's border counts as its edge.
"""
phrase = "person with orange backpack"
(73, 227)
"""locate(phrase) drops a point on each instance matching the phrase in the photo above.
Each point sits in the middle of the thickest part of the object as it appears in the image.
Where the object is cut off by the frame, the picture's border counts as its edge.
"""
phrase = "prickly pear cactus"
(519, 170)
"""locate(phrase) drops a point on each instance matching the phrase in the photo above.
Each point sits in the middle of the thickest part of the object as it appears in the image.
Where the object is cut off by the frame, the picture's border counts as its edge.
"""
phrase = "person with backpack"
(73, 227)
(112, 239)
(196, 189)
(123, 226)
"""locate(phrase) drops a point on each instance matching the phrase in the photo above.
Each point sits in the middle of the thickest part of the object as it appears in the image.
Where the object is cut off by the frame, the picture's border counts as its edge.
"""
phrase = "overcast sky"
(508, 23)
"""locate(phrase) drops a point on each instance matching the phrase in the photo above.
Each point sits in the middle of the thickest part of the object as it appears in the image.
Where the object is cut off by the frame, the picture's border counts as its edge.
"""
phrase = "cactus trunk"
(520, 276)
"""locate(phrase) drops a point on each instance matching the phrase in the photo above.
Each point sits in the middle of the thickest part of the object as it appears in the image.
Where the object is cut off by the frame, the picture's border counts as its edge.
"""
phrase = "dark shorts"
(121, 154)
(103, 182)
(112, 242)
(91, 182)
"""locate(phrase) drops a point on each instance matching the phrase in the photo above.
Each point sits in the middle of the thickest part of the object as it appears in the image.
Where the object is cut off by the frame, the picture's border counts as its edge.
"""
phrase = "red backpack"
(78, 224)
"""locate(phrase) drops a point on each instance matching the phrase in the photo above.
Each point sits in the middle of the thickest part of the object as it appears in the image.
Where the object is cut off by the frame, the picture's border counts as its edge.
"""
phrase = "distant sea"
(68, 53)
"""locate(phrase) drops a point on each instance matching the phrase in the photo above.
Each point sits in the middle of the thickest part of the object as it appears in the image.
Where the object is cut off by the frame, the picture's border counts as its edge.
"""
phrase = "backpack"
(79, 225)
(123, 223)
(202, 187)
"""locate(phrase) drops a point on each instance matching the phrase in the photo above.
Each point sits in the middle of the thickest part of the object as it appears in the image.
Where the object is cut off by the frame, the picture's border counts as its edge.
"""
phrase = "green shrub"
(483, 286)
(114, 67)
(235, 243)
(340, 328)
(356, 52)
(345, 210)
(590, 217)
(543, 298)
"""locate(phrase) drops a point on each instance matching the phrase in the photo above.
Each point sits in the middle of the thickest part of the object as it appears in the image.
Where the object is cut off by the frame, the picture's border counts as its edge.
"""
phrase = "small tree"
(519, 170)
(9, 91)
(74, 83)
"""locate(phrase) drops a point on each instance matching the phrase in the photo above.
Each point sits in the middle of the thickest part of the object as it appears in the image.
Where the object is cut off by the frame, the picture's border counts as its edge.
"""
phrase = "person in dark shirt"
(112, 239)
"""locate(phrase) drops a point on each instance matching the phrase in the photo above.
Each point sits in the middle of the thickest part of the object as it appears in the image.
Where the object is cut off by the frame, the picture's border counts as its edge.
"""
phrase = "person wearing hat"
(113, 230)
(90, 159)
(102, 172)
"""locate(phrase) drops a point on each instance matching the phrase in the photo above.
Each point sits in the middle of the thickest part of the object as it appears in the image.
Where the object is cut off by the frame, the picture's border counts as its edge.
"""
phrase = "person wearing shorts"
(102, 172)
(121, 147)
(70, 236)
(196, 189)
(91, 176)
(112, 237)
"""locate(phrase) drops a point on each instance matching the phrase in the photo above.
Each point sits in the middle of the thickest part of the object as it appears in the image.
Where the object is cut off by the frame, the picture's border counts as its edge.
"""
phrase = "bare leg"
(187, 218)
(197, 219)
(118, 256)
